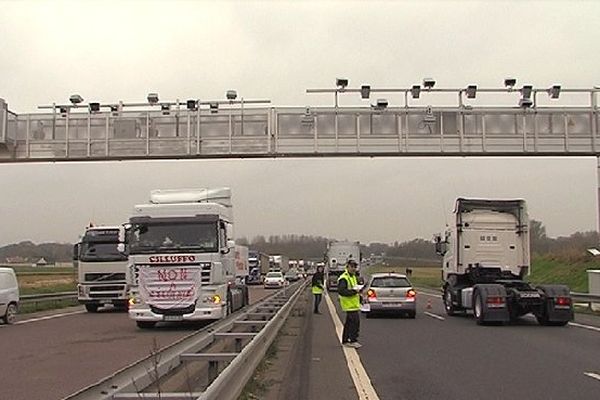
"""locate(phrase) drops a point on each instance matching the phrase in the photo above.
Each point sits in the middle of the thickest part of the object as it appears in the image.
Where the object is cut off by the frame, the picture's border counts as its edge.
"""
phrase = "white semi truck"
(182, 258)
(101, 268)
(486, 259)
(338, 254)
(279, 263)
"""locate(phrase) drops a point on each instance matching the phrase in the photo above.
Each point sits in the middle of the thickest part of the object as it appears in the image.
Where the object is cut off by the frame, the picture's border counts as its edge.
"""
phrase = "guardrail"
(36, 299)
(166, 373)
(585, 298)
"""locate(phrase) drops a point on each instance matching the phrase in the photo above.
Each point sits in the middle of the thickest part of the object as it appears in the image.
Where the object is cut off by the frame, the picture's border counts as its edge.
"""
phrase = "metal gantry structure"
(254, 128)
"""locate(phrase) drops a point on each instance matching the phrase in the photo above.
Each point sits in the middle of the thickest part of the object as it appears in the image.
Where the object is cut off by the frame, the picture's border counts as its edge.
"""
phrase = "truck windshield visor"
(174, 237)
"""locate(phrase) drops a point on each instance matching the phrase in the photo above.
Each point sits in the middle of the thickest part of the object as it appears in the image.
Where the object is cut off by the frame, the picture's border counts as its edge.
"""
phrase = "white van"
(9, 295)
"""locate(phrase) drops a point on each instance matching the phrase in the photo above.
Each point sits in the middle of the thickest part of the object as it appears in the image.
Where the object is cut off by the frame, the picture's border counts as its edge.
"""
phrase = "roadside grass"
(430, 277)
(549, 270)
(544, 270)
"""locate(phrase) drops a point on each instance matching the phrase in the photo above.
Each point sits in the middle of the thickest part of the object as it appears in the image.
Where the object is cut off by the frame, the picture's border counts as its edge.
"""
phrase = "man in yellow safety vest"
(348, 291)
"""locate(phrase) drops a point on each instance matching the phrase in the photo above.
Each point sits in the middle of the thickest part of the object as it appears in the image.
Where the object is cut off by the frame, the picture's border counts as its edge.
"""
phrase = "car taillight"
(563, 301)
(411, 294)
(371, 294)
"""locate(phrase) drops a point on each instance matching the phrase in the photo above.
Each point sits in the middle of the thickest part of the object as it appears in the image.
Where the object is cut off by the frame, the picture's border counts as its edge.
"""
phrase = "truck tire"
(92, 307)
(450, 308)
(478, 308)
(145, 324)
(550, 291)
(412, 314)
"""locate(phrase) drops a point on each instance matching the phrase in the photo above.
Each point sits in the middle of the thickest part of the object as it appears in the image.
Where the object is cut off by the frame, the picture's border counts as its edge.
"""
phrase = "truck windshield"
(174, 237)
(100, 251)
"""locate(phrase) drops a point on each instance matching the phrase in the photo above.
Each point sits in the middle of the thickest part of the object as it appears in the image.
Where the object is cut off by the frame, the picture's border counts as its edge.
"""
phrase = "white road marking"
(432, 315)
(592, 328)
(47, 317)
(362, 382)
(592, 375)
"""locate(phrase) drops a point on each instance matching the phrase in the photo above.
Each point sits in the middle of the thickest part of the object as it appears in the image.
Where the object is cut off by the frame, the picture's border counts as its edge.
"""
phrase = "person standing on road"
(318, 285)
(350, 302)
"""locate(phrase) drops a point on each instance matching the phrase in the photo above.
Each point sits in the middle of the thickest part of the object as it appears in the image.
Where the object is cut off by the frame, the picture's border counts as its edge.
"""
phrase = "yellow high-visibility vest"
(349, 303)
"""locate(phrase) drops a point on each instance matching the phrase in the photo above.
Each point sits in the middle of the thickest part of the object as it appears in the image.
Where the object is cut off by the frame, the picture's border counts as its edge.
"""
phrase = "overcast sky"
(110, 51)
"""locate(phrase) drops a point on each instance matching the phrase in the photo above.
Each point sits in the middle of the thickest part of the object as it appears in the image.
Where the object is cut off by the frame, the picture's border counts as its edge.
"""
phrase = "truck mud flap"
(553, 312)
(494, 305)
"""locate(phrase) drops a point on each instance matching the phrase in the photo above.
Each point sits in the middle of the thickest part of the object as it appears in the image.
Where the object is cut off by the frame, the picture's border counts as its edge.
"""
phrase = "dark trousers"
(351, 327)
(317, 301)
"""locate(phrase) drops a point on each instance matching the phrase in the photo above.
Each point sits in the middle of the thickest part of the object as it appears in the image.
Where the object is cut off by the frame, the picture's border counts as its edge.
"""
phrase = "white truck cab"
(9, 295)
(182, 258)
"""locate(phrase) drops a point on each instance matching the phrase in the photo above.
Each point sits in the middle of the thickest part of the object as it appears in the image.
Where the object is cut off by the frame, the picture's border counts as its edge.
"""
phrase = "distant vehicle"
(274, 280)
(242, 270)
(486, 260)
(101, 269)
(338, 254)
(292, 275)
(9, 295)
(259, 266)
(390, 293)
(279, 263)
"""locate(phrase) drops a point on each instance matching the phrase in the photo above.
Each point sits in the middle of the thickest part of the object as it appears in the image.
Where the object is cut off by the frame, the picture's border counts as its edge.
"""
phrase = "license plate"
(392, 304)
(173, 317)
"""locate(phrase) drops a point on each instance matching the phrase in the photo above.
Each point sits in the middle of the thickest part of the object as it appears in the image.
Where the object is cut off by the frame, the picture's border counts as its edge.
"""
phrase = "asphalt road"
(52, 358)
(453, 358)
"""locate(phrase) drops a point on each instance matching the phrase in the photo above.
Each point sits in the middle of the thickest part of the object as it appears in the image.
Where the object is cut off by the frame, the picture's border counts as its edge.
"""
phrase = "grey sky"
(109, 51)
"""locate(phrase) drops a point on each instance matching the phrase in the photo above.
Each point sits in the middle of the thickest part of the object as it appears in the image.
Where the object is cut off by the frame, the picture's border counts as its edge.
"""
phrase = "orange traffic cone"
(429, 304)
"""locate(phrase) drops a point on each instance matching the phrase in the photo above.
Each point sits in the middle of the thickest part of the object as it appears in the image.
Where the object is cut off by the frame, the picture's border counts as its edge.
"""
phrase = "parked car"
(274, 280)
(9, 295)
(389, 293)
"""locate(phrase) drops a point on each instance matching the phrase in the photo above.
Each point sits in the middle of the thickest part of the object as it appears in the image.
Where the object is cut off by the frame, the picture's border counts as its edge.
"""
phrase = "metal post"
(198, 129)
(442, 132)
(213, 371)
(483, 133)
(268, 132)
(106, 129)
(566, 121)
(357, 127)
(67, 135)
(524, 131)
(315, 133)
(147, 133)
(593, 120)
(28, 137)
(230, 131)
(189, 133)
(242, 117)
(598, 181)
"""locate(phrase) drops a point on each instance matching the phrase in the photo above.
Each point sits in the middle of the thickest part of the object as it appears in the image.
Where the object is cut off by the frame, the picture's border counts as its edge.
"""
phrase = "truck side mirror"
(76, 252)
(121, 247)
(123, 229)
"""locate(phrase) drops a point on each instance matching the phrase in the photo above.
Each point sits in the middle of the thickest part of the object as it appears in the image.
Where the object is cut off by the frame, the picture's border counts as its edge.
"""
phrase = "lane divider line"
(592, 375)
(432, 315)
(48, 317)
(362, 382)
(591, 328)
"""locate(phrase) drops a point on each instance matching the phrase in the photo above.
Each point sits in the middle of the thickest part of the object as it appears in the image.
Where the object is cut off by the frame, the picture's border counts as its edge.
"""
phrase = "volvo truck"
(486, 260)
(101, 268)
(182, 258)
(338, 254)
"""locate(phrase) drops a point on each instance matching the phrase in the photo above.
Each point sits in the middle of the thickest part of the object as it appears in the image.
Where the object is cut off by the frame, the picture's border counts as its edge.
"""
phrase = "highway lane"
(52, 358)
(453, 358)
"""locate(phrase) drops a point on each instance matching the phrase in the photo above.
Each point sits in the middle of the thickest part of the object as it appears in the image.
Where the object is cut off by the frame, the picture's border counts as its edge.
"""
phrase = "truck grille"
(104, 276)
(106, 288)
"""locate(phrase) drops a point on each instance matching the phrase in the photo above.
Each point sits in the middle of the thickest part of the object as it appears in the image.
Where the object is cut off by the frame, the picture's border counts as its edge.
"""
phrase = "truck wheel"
(542, 319)
(92, 307)
(145, 324)
(412, 314)
(11, 314)
(478, 308)
(450, 309)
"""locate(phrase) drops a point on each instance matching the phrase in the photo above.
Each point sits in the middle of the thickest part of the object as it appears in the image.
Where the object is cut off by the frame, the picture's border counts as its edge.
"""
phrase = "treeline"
(571, 248)
(29, 252)
(565, 248)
